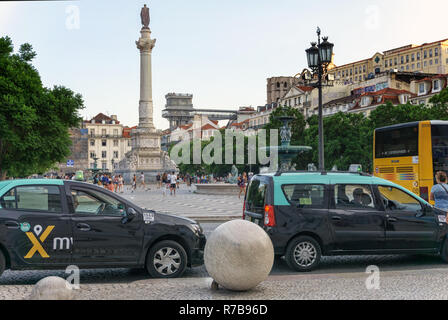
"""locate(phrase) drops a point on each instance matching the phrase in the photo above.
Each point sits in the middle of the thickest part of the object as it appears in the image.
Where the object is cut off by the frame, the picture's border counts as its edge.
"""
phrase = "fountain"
(285, 151)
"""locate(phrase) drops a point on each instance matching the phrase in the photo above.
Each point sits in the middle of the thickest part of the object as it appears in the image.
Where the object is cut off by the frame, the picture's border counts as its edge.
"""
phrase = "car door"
(356, 218)
(36, 225)
(408, 225)
(100, 232)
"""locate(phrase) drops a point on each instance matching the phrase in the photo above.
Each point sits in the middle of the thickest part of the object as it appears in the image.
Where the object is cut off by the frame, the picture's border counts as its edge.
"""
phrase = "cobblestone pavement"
(337, 278)
(186, 202)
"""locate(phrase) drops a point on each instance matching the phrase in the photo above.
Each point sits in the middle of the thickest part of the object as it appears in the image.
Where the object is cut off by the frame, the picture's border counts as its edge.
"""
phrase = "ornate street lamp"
(319, 56)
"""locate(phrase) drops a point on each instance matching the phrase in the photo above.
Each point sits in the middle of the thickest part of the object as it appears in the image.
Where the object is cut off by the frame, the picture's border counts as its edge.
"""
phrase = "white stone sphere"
(52, 288)
(239, 255)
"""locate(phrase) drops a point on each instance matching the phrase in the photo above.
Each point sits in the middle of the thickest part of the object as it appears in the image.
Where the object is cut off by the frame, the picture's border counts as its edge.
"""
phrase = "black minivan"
(51, 224)
(312, 214)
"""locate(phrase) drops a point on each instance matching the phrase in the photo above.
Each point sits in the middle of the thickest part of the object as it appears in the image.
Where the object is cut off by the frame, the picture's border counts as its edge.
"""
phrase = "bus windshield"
(399, 142)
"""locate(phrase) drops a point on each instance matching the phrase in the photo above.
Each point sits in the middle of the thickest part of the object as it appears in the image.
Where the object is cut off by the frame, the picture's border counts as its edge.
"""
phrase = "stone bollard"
(52, 288)
(238, 255)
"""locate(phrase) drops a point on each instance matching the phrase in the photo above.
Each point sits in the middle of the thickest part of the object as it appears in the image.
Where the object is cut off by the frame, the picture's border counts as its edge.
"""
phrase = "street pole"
(321, 122)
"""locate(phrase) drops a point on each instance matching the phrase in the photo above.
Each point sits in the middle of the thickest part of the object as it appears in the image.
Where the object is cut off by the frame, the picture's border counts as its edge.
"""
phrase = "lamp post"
(113, 165)
(319, 57)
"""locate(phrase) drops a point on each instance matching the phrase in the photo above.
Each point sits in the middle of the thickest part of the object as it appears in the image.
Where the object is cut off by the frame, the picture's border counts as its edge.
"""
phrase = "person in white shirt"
(173, 181)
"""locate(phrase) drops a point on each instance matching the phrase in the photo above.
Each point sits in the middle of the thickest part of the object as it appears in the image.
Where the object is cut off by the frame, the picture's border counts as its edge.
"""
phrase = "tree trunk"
(2, 175)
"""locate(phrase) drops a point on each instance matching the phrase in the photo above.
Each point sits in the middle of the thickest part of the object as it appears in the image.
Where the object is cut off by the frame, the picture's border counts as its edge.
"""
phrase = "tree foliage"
(34, 120)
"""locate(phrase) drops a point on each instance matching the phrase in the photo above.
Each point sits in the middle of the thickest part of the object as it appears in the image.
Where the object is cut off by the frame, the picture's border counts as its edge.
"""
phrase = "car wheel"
(2, 263)
(166, 259)
(303, 254)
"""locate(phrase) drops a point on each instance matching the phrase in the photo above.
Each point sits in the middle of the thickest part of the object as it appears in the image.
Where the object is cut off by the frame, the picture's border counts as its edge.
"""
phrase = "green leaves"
(34, 120)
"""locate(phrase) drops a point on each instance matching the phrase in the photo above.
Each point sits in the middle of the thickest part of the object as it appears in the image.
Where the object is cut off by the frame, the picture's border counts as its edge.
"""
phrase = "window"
(421, 88)
(419, 65)
(402, 142)
(92, 132)
(92, 155)
(96, 203)
(397, 200)
(305, 196)
(116, 132)
(413, 57)
(353, 196)
(436, 52)
(430, 62)
(103, 132)
(115, 143)
(402, 59)
(418, 55)
(92, 143)
(104, 143)
(436, 61)
(256, 197)
(425, 54)
(33, 198)
(396, 61)
(103, 154)
(430, 53)
(436, 85)
(407, 58)
(116, 154)
(385, 63)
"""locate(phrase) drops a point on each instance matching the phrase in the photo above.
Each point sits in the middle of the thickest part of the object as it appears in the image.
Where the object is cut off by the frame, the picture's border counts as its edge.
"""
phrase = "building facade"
(108, 141)
(426, 58)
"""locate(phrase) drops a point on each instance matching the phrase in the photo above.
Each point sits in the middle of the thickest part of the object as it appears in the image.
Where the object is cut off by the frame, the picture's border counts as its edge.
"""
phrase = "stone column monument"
(146, 155)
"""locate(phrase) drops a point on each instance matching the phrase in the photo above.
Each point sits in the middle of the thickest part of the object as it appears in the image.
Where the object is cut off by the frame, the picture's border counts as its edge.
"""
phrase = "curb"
(212, 219)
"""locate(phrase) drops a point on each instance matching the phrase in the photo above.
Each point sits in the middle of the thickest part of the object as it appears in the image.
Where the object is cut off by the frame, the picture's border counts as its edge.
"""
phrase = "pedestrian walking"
(165, 183)
(142, 180)
(158, 178)
(134, 183)
(439, 192)
(242, 181)
(173, 181)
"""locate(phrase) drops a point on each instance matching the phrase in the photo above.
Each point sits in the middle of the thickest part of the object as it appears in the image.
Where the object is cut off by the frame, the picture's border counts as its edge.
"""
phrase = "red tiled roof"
(208, 126)
(386, 91)
(305, 88)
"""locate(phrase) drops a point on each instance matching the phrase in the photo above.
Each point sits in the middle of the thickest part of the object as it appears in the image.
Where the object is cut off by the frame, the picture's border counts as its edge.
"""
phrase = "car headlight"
(196, 228)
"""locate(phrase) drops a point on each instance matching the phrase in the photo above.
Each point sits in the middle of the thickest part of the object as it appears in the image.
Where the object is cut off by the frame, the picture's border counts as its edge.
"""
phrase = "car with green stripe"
(313, 214)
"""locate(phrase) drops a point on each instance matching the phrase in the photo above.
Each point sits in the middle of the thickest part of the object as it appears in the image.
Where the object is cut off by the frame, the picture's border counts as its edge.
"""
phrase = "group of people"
(168, 181)
(112, 183)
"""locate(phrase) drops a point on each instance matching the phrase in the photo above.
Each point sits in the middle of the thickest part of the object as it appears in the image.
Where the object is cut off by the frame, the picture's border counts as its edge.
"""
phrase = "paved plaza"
(187, 203)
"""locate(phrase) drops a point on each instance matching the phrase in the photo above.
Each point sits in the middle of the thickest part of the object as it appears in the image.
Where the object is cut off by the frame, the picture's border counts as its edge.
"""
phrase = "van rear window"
(256, 195)
(305, 195)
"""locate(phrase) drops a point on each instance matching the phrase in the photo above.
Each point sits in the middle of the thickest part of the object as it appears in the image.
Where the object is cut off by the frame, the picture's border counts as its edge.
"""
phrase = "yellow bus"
(410, 154)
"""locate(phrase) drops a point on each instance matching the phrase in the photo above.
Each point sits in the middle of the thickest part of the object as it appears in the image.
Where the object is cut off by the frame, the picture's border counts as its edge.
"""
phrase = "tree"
(34, 120)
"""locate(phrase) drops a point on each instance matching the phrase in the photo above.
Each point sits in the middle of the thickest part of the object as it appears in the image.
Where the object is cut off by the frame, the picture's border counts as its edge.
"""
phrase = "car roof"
(332, 178)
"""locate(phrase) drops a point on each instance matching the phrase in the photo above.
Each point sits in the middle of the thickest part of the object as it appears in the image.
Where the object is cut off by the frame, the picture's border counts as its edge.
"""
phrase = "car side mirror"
(130, 215)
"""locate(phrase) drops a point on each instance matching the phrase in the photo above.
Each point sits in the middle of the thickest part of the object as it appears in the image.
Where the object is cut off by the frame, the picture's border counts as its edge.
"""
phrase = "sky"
(221, 51)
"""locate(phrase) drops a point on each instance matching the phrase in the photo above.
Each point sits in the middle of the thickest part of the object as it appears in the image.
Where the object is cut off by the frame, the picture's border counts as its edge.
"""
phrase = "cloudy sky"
(221, 51)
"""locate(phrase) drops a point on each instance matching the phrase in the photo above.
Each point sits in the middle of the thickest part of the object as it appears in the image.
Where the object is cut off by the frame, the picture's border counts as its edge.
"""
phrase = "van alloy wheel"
(305, 254)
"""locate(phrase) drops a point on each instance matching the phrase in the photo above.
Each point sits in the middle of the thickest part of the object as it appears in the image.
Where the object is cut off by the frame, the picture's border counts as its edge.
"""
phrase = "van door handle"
(83, 227)
(336, 218)
(392, 220)
(12, 225)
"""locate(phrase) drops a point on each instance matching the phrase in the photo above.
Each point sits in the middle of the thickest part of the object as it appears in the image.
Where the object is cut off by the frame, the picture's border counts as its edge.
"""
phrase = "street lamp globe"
(326, 51)
(312, 55)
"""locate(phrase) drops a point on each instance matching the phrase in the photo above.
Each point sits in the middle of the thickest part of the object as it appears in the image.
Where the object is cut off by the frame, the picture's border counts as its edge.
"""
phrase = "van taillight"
(424, 193)
(269, 216)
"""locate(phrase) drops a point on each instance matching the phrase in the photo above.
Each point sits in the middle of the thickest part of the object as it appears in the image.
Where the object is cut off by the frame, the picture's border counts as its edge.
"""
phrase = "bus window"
(401, 142)
(439, 134)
